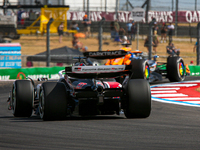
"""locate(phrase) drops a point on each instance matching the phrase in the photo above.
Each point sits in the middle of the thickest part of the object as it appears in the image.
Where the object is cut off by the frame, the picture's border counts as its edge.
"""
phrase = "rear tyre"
(53, 101)
(138, 101)
(140, 69)
(22, 98)
(175, 69)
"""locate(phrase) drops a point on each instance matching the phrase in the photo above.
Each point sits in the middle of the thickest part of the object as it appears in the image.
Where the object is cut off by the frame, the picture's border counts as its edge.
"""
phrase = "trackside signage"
(194, 70)
(126, 16)
(34, 73)
(138, 14)
(10, 55)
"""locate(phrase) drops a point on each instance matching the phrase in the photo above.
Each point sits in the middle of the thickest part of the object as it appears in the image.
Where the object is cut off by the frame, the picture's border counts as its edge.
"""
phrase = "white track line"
(155, 88)
(186, 98)
(163, 92)
(168, 95)
(180, 85)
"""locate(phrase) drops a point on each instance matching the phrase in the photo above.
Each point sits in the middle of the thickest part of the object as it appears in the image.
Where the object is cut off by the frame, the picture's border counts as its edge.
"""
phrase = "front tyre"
(175, 69)
(53, 101)
(138, 100)
(22, 98)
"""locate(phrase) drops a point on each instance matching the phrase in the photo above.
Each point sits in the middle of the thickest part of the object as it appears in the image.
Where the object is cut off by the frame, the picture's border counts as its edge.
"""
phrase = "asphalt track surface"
(168, 127)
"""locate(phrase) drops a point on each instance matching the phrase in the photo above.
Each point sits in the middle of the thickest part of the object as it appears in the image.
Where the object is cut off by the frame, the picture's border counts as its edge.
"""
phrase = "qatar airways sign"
(126, 16)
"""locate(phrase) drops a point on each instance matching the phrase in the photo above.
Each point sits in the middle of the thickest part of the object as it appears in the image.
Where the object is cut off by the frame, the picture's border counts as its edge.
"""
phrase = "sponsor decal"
(80, 85)
(108, 53)
(99, 68)
(77, 69)
(9, 52)
(89, 69)
(6, 77)
(125, 16)
(21, 75)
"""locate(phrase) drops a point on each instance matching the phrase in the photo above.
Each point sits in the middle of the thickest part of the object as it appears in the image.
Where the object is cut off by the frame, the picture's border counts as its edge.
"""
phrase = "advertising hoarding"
(10, 55)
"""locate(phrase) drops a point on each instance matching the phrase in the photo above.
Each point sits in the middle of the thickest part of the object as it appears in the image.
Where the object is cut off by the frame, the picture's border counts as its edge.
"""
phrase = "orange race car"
(174, 69)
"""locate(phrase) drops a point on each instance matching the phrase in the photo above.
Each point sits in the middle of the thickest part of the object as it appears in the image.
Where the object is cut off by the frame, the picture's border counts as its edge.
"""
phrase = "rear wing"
(103, 71)
(105, 54)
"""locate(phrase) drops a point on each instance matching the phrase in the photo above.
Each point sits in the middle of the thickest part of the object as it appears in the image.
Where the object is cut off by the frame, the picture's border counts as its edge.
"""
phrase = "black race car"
(84, 90)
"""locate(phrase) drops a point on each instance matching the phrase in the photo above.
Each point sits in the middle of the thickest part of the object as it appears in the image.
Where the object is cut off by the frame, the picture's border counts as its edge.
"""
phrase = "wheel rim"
(147, 71)
(181, 69)
(41, 104)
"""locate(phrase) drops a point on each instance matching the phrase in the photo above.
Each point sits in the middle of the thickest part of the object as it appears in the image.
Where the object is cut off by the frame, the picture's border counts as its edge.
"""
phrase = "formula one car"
(84, 91)
(174, 69)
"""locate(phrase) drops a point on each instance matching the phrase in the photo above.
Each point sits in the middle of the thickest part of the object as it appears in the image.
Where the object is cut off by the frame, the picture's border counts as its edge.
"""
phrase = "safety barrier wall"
(194, 70)
(34, 73)
(52, 72)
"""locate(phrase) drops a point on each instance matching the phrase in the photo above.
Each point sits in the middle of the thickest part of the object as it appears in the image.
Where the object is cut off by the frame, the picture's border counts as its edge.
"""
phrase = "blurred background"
(28, 28)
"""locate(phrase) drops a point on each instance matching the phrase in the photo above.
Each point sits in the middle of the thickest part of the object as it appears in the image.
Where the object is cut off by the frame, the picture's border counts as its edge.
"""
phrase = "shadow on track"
(72, 118)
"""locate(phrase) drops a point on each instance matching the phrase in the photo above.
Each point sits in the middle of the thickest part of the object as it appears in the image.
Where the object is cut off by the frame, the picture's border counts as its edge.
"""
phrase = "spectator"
(128, 29)
(87, 23)
(172, 50)
(112, 30)
(155, 27)
(163, 33)
(116, 28)
(74, 26)
(195, 47)
(78, 45)
(29, 64)
(125, 40)
(19, 16)
(155, 41)
(146, 43)
(31, 15)
(121, 33)
(170, 31)
(60, 31)
(191, 62)
(133, 30)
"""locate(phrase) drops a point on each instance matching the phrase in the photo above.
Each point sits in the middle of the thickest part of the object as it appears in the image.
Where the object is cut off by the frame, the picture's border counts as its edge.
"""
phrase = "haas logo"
(80, 85)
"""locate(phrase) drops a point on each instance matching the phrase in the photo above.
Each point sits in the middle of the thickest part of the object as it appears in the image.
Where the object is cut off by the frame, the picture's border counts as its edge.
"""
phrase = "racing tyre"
(140, 69)
(1, 34)
(138, 101)
(22, 98)
(11, 35)
(175, 69)
(53, 101)
(17, 36)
